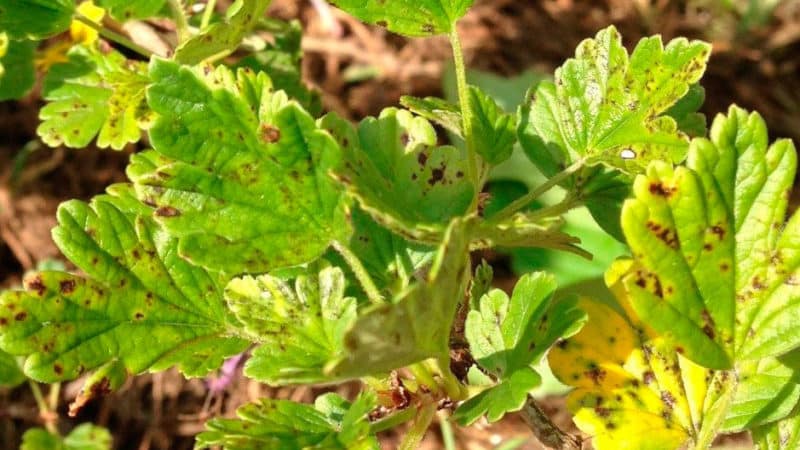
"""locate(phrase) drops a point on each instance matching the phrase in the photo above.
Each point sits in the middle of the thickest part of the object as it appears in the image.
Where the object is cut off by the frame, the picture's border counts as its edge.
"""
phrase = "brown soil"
(757, 70)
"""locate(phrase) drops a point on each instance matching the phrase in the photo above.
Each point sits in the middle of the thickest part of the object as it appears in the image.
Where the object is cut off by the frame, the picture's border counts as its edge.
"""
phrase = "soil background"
(755, 68)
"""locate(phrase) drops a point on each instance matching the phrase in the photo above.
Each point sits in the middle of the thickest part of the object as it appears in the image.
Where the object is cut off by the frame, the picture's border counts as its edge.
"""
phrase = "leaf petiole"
(360, 272)
(112, 36)
(466, 113)
(179, 16)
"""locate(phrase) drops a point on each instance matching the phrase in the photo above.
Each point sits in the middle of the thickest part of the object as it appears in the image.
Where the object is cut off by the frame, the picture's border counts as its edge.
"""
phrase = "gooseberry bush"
(329, 251)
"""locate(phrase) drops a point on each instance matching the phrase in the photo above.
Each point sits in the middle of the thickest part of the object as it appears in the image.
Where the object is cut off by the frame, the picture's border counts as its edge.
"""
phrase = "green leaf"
(94, 94)
(507, 337)
(282, 61)
(141, 305)
(299, 328)
(407, 17)
(238, 169)
(719, 265)
(331, 424)
(17, 73)
(767, 390)
(416, 325)
(10, 372)
(781, 435)
(222, 37)
(84, 437)
(106, 379)
(436, 110)
(609, 108)
(494, 130)
(124, 10)
(35, 19)
(685, 112)
(394, 167)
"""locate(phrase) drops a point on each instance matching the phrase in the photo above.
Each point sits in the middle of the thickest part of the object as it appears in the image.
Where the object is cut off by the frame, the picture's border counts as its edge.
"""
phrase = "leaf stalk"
(360, 272)
(112, 36)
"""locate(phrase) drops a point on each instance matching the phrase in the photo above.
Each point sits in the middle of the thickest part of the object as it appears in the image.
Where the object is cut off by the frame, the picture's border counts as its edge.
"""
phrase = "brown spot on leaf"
(596, 374)
(422, 158)
(3, 321)
(648, 377)
(66, 286)
(36, 284)
(58, 369)
(436, 176)
(20, 316)
(167, 211)
(719, 231)
(270, 134)
(661, 190)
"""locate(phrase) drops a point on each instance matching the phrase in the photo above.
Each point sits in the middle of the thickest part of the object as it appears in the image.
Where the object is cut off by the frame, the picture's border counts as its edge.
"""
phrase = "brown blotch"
(139, 316)
(596, 374)
(668, 399)
(436, 176)
(36, 284)
(724, 267)
(167, 211)
(67, 286)
(719, 231)
(758, 285)
(422, 158)
(58, 369)
(648, 377)
(661, 190)
(270, 134)
(22, 315)
(3, 321)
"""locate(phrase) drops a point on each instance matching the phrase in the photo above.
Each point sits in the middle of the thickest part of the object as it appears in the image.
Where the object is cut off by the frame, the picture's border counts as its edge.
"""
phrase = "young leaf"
(331, 424)
(299, 328)
(494, 131)
(16, 67)
(35, 19)
(718, 265)
(408, 17)
(394, 167)
(84, 437)
(94, 94)
(507, 337)
(609, 108)
(10, 373)
(141, 305)
(123, 10)
(781, 435)
(416, 325)
(223, 37)
(239, 169)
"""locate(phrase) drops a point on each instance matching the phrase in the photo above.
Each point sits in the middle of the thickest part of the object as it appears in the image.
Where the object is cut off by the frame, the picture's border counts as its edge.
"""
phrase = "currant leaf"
(239, 169)
(298, 327)
(123, 10)
(10, 372)
(35, 19)
(508, 336)
(84, 437)
(407, 17)
(16, 67)
(93, 95)
(780, 435)
(141, 304)
(331, 424)
(610, 108)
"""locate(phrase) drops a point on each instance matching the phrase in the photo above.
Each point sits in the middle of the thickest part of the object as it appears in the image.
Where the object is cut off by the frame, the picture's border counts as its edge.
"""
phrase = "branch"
(546, 431)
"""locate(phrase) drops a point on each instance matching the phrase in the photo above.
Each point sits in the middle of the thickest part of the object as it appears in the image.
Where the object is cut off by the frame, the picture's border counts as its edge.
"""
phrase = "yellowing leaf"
(79, 31)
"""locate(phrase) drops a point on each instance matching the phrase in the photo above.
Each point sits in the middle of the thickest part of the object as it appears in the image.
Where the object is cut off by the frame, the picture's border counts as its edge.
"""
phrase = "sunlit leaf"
(239, 169)
(411, 18)
(123, 10)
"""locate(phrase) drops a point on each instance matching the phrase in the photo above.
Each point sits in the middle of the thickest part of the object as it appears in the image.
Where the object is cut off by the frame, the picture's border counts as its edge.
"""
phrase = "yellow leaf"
(80, 32)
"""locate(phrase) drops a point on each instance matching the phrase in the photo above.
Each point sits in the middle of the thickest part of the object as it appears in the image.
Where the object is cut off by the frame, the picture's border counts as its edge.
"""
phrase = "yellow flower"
(79, 31)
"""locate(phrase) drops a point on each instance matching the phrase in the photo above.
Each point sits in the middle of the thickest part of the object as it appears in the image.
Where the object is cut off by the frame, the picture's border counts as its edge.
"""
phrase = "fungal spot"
(167, 211)
(596, 374)
(139, 316)
(3, 321)
(668, 399)
(719, 231)
(270, 134)
(37, 285)
(648, 377)
(381, 23)
(661, 190)
(436, 176)
(422, 158)
(20, 316)
(66, 286)
(58, 369)
(724, 267)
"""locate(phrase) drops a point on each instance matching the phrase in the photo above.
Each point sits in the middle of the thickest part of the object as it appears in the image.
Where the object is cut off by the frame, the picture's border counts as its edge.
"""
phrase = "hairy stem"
(207, 13)
(389, 422)
(112, 36)
(418, 428)
(181, 24)
(526, 200)
(466, 113)
(360, 272)
(545, 430)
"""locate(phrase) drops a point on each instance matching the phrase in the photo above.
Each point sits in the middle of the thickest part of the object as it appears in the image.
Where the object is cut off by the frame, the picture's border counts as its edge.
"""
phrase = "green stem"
(424, 376)
(207, 13)
(394, 420)
(45, 412)
(448, 438)
(54, 396)
(360, 272)
(181, 24)
(526, 200)
(417, 431)
(466, 113)
(450, 383)
(112, 36)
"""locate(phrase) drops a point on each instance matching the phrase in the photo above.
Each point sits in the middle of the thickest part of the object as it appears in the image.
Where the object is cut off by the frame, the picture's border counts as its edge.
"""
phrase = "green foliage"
(83, 437)
(507, 337)
(411, 18)
(238, 168)
(35, 19)
(130, 10)
(780, 435)
(16, 67)
(299, 328)
(10, 372)
(222, 37)
(94, 94)
(607, 107)
(495, 130)
(331, 424)
(138, 290)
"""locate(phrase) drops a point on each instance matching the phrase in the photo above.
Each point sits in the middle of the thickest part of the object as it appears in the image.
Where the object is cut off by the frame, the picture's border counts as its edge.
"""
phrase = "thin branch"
(545, 430)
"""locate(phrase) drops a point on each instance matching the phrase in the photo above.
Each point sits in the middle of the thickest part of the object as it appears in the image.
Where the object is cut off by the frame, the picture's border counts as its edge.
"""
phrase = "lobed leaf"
(508, 336)
(17, 73)
(298, 328)
(239, 169)
(610, 108)
(780, 435)
(407, 17)
(401, 177)
(141, 304)
(416, 325)
(35, 19)
(123, 10)
(718, 263)
(94, 94)
(10, 372)
(331, 423)
(494, 130)
(223, 37)
(84, 437)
